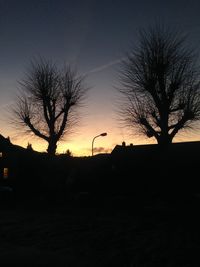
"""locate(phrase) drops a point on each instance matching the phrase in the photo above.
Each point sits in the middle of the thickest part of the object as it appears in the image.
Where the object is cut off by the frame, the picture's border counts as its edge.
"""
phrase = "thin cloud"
(101, 150)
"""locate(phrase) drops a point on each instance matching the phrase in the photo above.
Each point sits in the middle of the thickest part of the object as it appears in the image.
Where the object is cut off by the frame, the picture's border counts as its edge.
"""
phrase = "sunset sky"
(93, 36)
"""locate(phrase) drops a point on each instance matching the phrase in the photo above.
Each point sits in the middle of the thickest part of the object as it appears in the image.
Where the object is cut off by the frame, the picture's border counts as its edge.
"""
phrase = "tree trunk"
(51, 150)
(164, 139)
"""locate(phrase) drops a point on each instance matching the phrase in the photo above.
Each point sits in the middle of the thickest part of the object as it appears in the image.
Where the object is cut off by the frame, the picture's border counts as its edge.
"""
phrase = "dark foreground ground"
(110, 231)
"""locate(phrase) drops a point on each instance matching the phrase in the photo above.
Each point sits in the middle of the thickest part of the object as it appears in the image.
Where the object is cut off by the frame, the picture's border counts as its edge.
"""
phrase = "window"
(1, 154)
(5, 173)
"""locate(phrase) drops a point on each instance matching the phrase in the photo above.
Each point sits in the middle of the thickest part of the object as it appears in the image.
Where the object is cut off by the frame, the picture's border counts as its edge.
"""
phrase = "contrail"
(105, 66)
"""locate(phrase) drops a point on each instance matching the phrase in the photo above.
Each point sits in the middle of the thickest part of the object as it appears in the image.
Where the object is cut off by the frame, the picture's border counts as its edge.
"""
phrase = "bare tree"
(160, 85)
(48, 100)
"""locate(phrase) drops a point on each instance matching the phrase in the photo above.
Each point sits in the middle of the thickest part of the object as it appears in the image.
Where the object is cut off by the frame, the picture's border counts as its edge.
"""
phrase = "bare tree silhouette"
(160, 85)
(48, 100)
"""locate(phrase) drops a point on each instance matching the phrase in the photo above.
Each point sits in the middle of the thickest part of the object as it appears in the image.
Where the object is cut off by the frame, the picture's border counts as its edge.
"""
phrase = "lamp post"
(102, 134)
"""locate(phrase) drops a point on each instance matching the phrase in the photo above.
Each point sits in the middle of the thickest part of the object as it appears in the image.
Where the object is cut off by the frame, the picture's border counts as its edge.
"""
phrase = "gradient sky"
(93, 36)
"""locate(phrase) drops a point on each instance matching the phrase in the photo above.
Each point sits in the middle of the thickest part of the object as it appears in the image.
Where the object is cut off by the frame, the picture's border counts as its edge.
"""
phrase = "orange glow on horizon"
(83, 147)
(80, 147)
(80, 144)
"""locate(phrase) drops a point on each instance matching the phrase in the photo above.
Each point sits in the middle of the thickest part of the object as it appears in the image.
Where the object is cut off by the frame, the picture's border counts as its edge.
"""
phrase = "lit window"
(5, 173)
(1, 154)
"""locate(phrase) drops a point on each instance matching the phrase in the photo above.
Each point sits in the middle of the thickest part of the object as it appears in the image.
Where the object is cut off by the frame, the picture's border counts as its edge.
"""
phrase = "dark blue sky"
(92, 35)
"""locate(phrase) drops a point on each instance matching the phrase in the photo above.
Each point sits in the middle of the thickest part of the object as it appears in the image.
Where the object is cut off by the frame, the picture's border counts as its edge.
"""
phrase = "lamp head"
(103, 134)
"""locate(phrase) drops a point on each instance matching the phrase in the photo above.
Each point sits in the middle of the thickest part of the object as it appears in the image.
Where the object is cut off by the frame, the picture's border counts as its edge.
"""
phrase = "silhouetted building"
(16, 163)
(4, 160)
(29, 172)
(175, 167)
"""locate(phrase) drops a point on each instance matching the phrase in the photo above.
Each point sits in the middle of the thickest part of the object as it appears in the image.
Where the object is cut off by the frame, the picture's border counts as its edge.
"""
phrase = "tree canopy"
(47, 101)
(160, 85)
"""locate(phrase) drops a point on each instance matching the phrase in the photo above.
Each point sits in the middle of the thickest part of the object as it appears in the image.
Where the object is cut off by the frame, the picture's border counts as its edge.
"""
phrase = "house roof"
(5, 143)
(179, 148)
(7, 146)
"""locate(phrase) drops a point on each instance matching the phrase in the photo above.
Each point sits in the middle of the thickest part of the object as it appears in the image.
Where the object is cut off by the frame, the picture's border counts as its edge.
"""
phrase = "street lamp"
(102, 134)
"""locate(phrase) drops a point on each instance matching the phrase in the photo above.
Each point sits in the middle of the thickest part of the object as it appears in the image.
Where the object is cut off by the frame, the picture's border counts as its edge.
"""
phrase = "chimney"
(123, 144)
